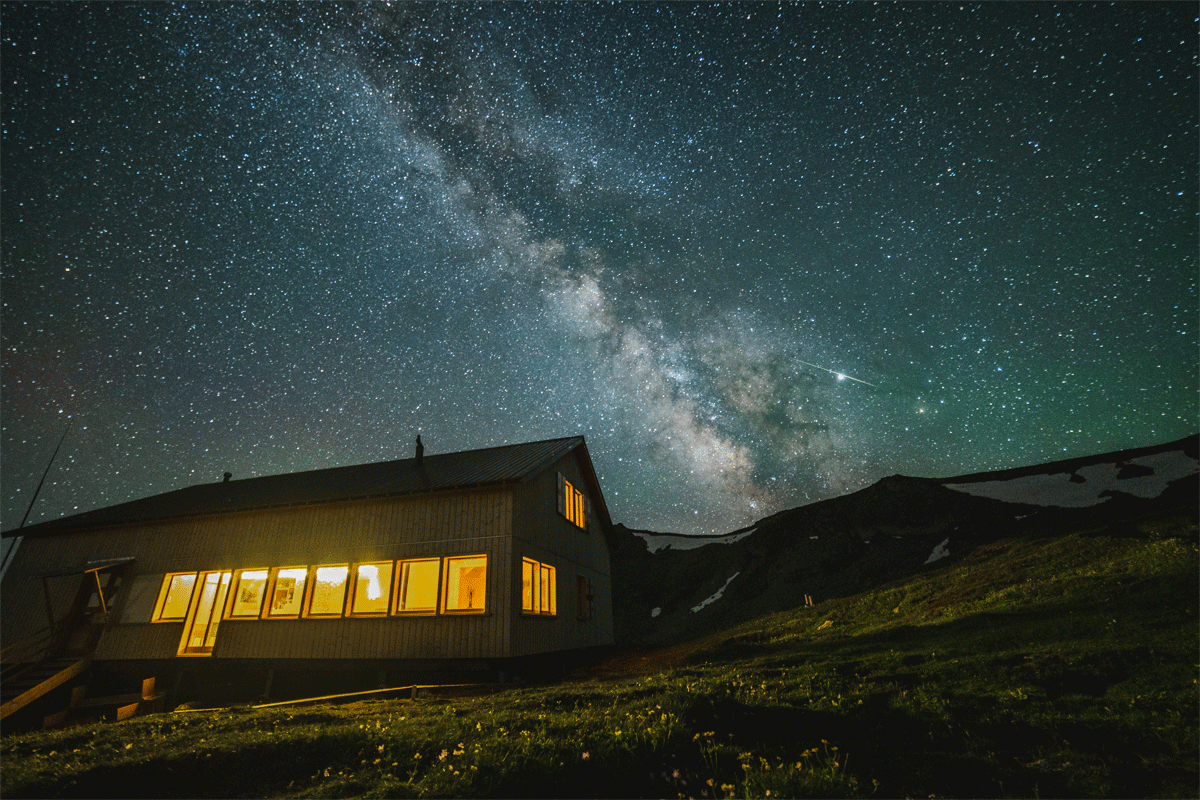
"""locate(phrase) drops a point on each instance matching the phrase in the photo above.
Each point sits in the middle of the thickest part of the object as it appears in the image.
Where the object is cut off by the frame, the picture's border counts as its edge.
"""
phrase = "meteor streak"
(840, 375)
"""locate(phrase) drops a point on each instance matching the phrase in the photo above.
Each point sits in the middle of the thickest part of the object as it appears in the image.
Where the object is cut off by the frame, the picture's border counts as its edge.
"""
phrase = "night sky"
(758, 255)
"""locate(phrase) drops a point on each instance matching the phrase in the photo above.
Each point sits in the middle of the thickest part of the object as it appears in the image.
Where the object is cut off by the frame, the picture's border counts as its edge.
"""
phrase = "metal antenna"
(13, 547)
(44, 474)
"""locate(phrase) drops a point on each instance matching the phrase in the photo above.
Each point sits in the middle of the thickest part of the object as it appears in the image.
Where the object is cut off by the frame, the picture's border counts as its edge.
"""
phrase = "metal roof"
(447, 471)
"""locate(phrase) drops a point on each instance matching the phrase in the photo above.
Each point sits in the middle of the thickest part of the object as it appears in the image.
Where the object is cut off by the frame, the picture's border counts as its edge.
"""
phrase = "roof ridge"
(455, 470)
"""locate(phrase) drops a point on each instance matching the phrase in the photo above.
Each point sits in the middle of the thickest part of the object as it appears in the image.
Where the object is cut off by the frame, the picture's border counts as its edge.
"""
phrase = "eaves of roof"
(468, 469)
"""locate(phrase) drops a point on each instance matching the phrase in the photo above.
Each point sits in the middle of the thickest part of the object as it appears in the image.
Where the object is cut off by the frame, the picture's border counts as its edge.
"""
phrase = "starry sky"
(758, 254)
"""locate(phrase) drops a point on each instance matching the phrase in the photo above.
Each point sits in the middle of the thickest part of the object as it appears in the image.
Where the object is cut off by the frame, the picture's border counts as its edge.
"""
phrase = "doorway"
(200, 631)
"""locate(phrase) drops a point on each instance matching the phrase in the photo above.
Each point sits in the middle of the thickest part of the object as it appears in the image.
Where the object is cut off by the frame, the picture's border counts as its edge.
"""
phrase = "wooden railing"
(30, 649)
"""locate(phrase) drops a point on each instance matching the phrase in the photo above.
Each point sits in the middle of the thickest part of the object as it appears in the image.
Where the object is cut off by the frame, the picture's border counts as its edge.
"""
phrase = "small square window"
(174, 597)
(328, 591)
(466, 580)
(372, 588)
(287, 591)
(417, 589)
(251, 588)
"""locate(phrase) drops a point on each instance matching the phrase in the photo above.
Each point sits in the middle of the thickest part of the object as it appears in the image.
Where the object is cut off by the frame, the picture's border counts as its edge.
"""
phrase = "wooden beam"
(51, 683)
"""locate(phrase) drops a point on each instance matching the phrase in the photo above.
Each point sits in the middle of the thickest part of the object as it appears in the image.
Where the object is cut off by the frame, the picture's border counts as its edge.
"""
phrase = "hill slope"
(667, 589)
(1052, 666)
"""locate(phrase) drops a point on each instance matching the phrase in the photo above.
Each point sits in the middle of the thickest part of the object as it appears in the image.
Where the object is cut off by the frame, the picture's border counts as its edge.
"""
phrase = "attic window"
(466, 579)
(174, 597)
(571, 503)
(538, 590)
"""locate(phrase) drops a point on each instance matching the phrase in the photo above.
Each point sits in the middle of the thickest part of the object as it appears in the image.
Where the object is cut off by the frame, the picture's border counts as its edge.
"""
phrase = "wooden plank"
(48, 685)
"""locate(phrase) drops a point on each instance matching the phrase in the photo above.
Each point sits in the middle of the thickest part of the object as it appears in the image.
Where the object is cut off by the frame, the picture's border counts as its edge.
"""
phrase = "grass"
(1048, 667)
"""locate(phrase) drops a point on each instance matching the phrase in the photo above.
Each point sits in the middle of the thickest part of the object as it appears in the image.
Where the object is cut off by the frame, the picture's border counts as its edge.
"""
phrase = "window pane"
(418, 586)
(248, 597)
(289, 592)
(208, 595)
(218, 608)
(549, 601)
(465, 579)
(179, 596)
(329, 590)
(545, 588)
(372, 584)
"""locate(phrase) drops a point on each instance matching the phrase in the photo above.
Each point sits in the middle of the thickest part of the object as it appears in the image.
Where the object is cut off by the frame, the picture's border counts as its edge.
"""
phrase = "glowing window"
(418, 588)
(201, 630)
(287, 591)
(538, 591)
(571, 503)
(329, 591)
(372, 587)
(249, 594)
(466, 577)
(174, 597)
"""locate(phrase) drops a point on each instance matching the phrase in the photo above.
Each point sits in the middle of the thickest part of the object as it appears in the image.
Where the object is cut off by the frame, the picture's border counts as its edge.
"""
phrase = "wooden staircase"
(23, 686)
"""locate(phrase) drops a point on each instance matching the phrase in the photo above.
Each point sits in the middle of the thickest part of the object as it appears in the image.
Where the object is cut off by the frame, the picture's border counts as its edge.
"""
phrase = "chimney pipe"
(420, 450)
(228, 475)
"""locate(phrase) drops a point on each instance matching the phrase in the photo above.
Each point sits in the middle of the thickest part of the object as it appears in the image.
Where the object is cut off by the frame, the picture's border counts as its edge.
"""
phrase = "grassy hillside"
(1052, 666)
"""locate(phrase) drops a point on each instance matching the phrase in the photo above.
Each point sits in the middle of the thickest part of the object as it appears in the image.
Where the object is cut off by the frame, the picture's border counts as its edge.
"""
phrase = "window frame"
(445, 585)
(400, 584)
(352, 579)
(216, 614)
(236, 587)
(164, 591)
(310, 592)
(543, 600)
(573, 504)
(268, 601)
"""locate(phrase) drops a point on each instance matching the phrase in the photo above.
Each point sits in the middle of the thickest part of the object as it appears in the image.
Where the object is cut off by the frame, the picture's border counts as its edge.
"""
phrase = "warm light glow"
(538, 594)
(175, 597)
(371, 586)
(466, 579)
(329, 591)
(417, 593)
(573, 504)
(248, 597)
(201, 630)
(288, 593)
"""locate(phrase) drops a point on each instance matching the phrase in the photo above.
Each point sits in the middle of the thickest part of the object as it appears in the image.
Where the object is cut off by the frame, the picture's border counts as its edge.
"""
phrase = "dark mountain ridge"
(669, 589)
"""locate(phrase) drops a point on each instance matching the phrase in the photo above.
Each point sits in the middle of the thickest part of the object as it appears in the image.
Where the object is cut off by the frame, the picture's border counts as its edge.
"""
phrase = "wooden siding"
(441, 525)
(541, 533)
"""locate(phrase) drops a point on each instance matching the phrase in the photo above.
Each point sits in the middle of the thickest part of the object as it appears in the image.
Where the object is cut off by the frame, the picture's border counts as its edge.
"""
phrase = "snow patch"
(1085, 486)
(939, 552)
(678, 541)
(714, 598)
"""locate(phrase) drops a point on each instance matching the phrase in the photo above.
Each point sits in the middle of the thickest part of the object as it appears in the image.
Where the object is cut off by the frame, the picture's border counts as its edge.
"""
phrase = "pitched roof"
(447, 471)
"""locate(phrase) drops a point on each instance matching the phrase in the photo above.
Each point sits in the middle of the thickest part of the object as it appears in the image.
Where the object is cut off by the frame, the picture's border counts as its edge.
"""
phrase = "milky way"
(270, 238)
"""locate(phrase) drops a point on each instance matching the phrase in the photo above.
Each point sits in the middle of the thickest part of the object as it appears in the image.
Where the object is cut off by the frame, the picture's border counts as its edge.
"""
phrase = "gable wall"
(541, 533)
(382, 529)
